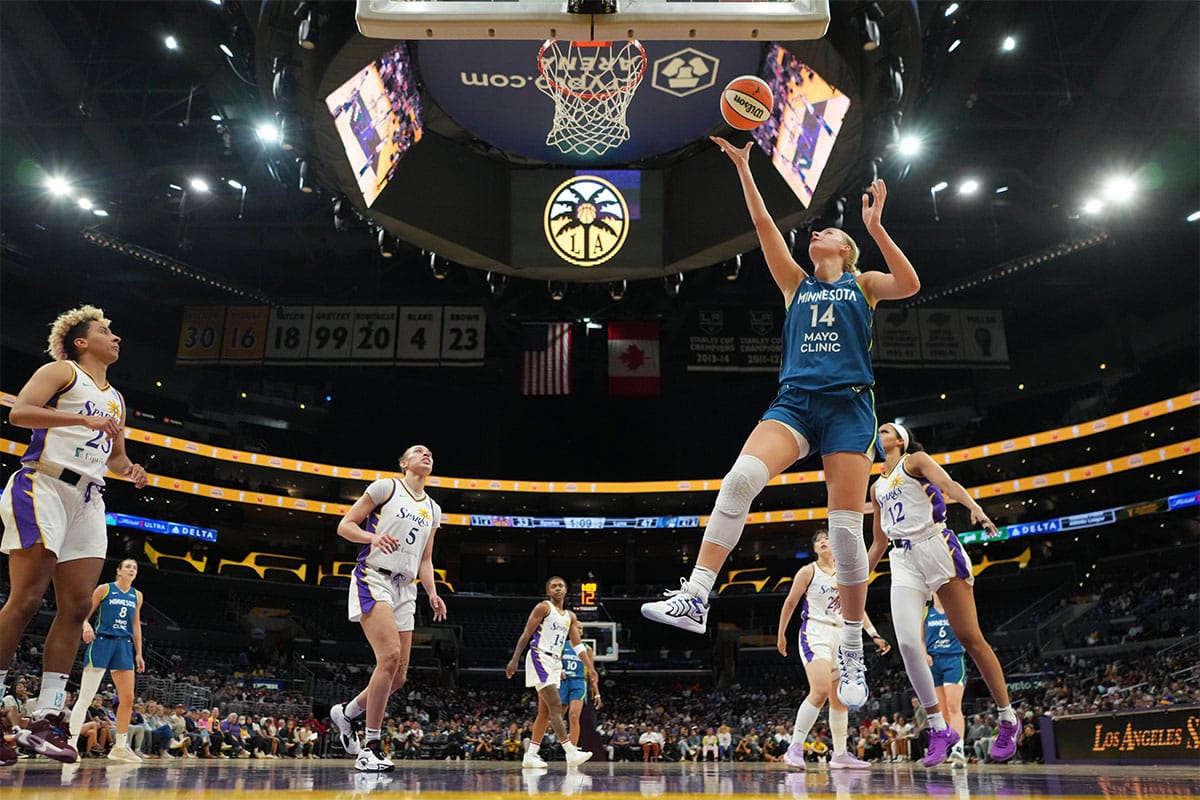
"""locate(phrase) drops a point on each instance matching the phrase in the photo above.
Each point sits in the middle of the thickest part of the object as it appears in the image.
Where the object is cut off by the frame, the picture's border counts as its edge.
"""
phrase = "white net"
(592, 84)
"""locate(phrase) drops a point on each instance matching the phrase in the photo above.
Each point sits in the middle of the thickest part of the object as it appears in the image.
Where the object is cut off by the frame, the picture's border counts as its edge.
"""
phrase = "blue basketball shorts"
(837, 421)
(949, 669)
(571, 689)
(109, 652)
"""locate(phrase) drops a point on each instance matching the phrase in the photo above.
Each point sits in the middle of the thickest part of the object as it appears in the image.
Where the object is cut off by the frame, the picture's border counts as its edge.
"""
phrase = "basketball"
(746, 102)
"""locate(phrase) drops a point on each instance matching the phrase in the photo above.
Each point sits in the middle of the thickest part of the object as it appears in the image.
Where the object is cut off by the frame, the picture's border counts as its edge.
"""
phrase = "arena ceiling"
(1089, 92)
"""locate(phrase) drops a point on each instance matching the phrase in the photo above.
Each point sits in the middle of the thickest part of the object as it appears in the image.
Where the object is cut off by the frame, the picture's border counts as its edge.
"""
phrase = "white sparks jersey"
(552, 632)
(77, 447)
(822, 602)
(408, 519)
(910, 506)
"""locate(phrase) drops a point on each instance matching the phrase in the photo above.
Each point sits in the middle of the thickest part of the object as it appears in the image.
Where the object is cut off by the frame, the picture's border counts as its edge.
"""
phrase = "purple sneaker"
(48, 734)
(940, 743)
(1005, 746)
(794, 757)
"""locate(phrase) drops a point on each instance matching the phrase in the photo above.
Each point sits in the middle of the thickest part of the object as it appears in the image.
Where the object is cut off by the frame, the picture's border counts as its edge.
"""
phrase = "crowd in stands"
(644, 719)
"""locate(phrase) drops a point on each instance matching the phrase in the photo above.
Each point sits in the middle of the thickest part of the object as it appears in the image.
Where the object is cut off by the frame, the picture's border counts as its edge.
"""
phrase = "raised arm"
(784, 269)
(901, 279)
(799, 587)
(535, 618)
(924, 466)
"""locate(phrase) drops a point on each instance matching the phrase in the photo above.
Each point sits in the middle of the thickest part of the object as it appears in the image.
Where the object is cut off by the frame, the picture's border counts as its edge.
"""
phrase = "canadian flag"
(633, 360)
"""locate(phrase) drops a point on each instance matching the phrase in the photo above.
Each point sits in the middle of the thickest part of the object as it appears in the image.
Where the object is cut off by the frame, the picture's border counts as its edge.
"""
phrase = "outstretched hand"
(872, 212)
(738, 155)
(980, 518)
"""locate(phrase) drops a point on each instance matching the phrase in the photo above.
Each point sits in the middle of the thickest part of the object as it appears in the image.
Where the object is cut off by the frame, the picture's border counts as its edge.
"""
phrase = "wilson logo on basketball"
(750, 107)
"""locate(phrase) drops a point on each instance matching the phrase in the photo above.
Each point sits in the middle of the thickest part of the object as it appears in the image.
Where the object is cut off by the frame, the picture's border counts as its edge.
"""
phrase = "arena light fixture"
(909, 146)
(234, 184)
(556, 289)
(58, 186)
(954, 45)
(306, 30)
(1001, 189)
(1092, 206)
(1009, 44)
(616, 289)
(950, 9)
(198, 184)
(1192, 217)
(267, 132)
(225, 49)
(938, 187)
(171, 43)
(1120, 189)
(387, 244)
(85, 204)
(969, 186)
(99, 212)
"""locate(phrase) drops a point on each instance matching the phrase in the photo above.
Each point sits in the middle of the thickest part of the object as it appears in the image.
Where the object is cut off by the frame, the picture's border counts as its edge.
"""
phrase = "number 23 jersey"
(407, 518)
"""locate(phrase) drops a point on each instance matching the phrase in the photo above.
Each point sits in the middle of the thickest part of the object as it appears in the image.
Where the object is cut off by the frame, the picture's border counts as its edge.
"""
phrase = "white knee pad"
(849, 550)
(745, 480)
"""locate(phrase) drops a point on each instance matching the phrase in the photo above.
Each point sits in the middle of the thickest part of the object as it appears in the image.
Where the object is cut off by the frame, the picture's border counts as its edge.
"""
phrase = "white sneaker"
(345, 729)
(794, 756)
(958, 757)
(847, 761)
(534, 761)
(852, 687)
(577, 757)
(680, 607)
(124, 754)
(370, 761)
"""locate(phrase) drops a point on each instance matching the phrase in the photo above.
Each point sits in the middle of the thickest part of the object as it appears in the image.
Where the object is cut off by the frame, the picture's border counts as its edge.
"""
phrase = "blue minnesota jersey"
(116, 612)
(573, 666)
(939, 639)
(827, 336)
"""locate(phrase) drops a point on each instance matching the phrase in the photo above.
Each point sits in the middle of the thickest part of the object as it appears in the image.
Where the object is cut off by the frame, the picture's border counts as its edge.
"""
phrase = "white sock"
(839, 726)
(937, 721)
(373, 734)
(805, 717)
(533, 748)
(701, 582)
(1007, 714)
(352, 709)
(568, 746)
(54, 691)
(852, 635)
(122, 740)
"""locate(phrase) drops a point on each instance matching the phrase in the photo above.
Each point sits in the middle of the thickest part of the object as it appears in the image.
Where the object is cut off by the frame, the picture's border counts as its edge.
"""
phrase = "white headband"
(902, 432)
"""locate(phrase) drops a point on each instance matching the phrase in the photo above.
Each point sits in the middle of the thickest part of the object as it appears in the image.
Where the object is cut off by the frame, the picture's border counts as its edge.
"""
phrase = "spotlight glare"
(1092, 206)
(235, 184)
(267, 132)
(910, 146)
(1192, 217)
(99, 212)
(969, 186)
(950, 9)
(58, 186)
(939, 186)
(171, 43)
(954, 45)
(85, 204)
(1119, 189)
(1001, 189)
(1009, 44)
(199, 184)
(225, 49)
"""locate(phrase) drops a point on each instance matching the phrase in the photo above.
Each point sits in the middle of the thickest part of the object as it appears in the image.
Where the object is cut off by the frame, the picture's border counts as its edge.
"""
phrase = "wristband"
(874, 634)
(580, 649)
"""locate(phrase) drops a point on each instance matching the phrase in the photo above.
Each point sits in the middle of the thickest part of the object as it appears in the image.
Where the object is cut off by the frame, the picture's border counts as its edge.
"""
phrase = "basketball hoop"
(592, 84)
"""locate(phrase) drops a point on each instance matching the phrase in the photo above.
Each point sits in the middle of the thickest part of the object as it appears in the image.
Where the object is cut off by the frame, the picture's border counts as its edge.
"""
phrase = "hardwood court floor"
(40, 779)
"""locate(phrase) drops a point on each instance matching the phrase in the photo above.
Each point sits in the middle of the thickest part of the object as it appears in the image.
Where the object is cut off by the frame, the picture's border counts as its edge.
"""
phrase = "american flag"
(546, 358)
